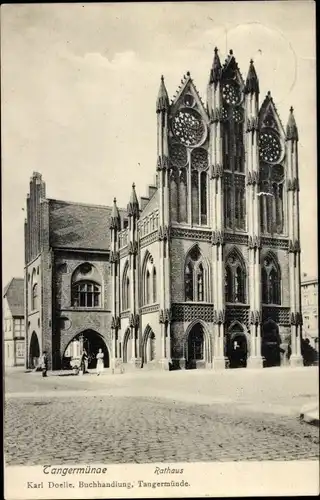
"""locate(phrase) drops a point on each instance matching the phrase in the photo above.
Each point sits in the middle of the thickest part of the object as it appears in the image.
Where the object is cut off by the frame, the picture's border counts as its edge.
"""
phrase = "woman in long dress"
(100, 364)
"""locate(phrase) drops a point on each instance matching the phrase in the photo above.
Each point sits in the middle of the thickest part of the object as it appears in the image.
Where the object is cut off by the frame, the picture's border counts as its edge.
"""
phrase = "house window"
(235, 279)
(86, 294)
(271, 281)
(18, 325)
(20, 350)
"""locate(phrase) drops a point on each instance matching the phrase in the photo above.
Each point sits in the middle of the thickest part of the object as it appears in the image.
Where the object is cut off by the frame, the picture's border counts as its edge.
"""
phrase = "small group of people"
(84, 361)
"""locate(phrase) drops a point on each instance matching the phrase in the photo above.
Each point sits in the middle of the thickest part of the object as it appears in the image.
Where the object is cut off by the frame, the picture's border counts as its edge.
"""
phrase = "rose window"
(188, 127)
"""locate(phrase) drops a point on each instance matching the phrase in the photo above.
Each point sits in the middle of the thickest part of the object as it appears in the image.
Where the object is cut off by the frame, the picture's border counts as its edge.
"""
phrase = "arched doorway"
(92, 342)
(149, 346)
(270, 344)
(127, 346)
(237, 347)
(34, 353)
(195, 347)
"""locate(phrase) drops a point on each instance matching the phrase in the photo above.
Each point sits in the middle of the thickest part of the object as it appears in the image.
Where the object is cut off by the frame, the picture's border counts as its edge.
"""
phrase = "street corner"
(310, 413)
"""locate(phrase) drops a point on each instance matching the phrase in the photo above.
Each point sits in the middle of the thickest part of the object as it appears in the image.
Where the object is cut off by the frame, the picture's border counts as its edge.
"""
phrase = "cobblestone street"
(125, 419)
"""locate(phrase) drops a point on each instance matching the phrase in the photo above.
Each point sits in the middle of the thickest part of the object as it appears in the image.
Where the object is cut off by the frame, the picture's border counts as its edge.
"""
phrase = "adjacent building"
(203, 271)
(13, 323)
(309, 295)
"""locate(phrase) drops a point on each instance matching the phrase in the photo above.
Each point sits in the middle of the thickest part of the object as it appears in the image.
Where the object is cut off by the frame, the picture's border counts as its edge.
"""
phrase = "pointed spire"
(115, 217)
(252, 82)
(133, 205)
(292, 130)
(162, 99)
(215, 72)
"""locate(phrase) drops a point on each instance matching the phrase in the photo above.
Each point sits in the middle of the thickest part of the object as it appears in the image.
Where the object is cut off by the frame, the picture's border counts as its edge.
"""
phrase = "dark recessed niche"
(38, 270)
(62, 268)
(85, 268)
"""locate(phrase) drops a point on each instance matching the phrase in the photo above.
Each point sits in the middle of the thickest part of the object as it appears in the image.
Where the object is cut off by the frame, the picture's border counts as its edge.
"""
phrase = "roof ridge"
(83, 204)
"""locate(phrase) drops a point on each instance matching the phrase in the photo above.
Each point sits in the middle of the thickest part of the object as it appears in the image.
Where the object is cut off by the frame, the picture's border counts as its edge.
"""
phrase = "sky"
(79, 84)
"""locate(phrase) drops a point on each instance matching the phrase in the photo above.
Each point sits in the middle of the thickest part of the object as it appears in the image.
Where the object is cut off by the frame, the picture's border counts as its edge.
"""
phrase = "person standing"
(44, 364)
(100, 362)
(84, 362)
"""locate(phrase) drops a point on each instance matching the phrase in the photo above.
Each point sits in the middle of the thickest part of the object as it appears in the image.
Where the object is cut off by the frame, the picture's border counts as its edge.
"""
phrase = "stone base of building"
(219, 363)
(164, 364)
(255, 362)
(295, 361)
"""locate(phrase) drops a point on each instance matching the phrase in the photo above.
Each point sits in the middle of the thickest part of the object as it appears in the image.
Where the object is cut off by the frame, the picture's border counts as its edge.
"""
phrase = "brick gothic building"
(205, 270)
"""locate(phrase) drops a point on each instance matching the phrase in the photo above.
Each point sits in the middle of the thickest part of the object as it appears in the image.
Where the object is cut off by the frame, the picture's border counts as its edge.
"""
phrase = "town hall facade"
(203, 272)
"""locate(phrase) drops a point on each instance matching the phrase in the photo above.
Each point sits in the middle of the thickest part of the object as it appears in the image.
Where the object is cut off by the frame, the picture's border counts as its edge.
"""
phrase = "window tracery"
(235, 279)
(196, 277)
(271, 281)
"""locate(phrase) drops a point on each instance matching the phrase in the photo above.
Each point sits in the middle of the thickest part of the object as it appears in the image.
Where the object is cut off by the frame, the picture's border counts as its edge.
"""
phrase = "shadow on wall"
(309, 354)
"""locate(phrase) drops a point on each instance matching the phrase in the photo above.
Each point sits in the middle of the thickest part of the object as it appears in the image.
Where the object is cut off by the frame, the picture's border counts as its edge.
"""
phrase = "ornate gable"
(230, 70)
(269, 117)
(188, 96)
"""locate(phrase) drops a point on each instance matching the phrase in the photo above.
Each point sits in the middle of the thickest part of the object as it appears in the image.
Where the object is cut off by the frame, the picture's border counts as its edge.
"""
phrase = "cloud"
(79, 88)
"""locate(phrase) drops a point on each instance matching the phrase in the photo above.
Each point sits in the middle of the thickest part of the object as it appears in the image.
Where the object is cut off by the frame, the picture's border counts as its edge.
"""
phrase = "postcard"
(160, 286)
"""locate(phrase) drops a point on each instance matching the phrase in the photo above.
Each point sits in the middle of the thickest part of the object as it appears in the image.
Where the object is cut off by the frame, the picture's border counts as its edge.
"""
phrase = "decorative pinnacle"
(269, 93)
(115, 222)
(133, 205)
(292, 130)
(252, 82)
(163, 99)
(231, 52)
(215, 72)
(188, 73)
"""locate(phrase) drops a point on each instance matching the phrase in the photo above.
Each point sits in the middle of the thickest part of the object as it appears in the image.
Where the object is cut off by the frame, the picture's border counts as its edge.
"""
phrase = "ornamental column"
(294, 241)
(251, 92)
(164, 292)
(216, 210)
(133, 215)
(115, 226)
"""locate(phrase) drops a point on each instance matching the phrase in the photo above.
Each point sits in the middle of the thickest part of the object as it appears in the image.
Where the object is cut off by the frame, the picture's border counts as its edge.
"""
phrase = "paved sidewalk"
(277, 391)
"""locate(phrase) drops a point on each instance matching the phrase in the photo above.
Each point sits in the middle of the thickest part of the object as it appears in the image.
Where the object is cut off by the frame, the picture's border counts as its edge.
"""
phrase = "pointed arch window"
(154, 285)
(126, 289)
(148, 287)
(272, 203)
(196, 277)
(189, 281)
(35, 297)
(149, 281)
(271, 281)
(235, 279)
(182, 193)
